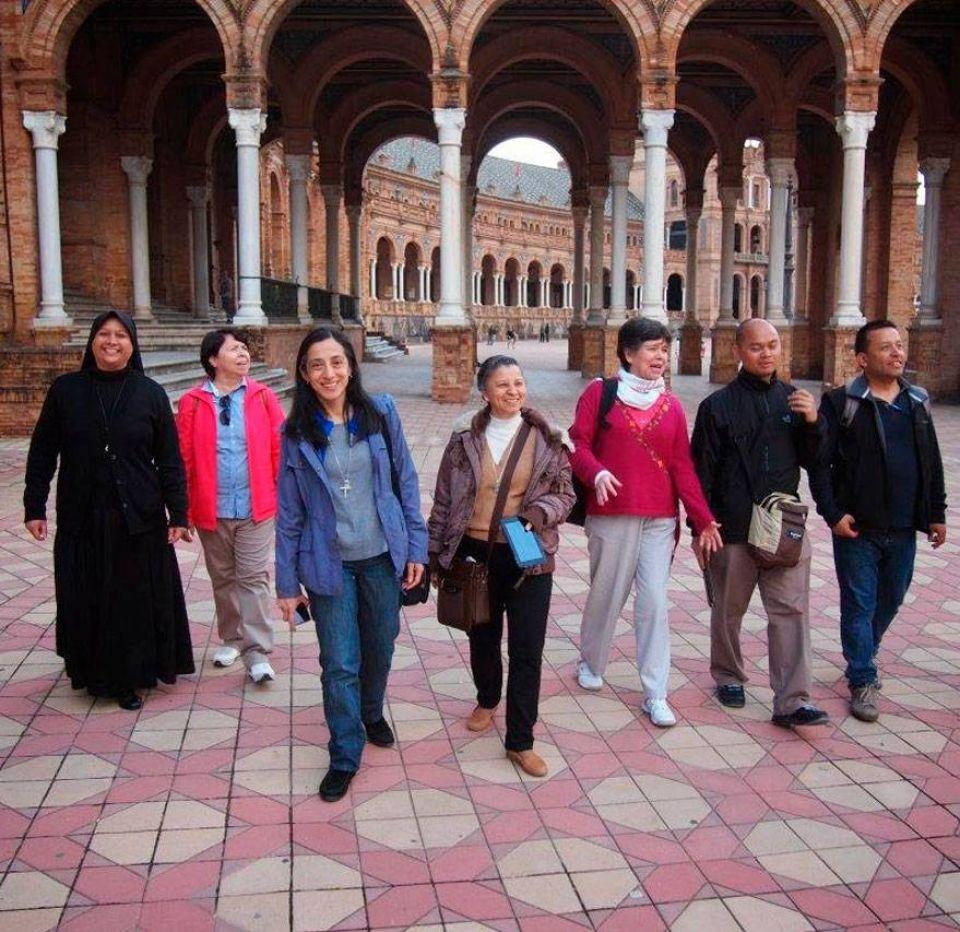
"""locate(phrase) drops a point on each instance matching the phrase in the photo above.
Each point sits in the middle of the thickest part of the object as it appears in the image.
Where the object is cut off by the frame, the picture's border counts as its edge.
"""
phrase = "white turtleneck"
(500, 431)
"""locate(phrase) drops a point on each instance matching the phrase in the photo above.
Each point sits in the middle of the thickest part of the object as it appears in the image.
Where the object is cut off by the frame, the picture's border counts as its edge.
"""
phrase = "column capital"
(933, 171)
(354, 212)
(781, 171)
(655, 125)
(198, 195)
(298, 166)
(248, 123)
(332, 193)
(854, 126)
(298, 140)
(450, 122)
(465, 162)
(729, 196)
(805, 214)
(580, 214)
(693, 201)
(45, 126)
(136, 167)
(692, 214)
(598, 196)
(620, 166)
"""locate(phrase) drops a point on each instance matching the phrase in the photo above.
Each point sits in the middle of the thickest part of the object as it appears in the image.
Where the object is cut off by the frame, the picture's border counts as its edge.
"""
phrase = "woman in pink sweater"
(636, 464)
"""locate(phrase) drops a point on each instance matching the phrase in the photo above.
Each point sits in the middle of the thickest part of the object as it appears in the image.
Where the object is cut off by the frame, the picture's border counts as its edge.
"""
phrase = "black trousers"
(526, 607)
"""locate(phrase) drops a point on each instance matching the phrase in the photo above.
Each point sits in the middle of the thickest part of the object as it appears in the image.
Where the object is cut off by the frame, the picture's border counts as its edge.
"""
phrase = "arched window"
(738, 238)
(675, 292)
(678, 235)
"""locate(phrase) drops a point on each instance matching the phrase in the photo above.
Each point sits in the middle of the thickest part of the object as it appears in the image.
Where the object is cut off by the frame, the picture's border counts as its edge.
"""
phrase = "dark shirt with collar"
(902, 468)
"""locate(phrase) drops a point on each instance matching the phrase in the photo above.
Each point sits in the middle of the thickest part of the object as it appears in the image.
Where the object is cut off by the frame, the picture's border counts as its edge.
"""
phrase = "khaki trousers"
(237, 555)
(785, 592)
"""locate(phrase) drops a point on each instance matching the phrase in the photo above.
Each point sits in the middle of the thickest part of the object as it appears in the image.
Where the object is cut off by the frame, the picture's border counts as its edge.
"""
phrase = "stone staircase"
(379, 348)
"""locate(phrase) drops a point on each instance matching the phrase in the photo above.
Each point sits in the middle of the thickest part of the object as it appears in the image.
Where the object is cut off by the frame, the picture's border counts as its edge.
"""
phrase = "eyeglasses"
(225, 410)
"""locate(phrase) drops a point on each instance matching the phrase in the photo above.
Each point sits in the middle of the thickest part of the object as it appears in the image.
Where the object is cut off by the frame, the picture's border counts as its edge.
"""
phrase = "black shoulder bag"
(578, 514)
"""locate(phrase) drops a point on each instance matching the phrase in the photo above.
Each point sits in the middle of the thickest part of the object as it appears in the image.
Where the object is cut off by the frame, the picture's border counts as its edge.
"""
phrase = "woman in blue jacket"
(345, 537)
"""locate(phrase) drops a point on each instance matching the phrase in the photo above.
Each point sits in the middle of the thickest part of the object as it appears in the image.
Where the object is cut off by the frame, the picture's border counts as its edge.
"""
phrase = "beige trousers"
(237, 555)
(785, 592)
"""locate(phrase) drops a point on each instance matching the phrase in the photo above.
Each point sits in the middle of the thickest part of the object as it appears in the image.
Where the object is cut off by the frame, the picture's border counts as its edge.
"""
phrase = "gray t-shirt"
(359, 533)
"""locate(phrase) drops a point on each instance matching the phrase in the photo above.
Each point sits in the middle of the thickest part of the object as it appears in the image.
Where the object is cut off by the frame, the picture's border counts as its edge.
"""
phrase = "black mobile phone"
(303, 612)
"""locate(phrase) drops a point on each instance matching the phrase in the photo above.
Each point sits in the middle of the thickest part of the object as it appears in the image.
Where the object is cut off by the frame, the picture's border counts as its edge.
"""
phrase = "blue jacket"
(307, 551)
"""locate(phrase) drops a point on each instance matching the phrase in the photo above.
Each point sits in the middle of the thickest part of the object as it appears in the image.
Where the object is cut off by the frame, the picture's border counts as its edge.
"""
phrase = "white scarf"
(637, 392)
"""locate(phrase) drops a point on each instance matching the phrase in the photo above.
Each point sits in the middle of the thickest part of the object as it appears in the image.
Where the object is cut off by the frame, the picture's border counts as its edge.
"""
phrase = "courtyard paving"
(201, 812)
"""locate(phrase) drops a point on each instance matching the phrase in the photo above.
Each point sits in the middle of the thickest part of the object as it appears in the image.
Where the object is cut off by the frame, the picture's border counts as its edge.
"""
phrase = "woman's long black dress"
(121, 617)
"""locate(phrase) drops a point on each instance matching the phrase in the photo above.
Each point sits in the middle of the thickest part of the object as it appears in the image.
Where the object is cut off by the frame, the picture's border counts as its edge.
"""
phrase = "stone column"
(655, 125)
(691, 333)
(800, 367)
(332, 195)
(598, 200)
(723, 367)
(854, 127)
(137, 169)
(248, 124)
(373, 278)
(468, 207)
(354, 216)
(522, 291)
(780, 172)
(620, 166)
(454, 338)
(199, 197)
(298, 173)
(46, 126)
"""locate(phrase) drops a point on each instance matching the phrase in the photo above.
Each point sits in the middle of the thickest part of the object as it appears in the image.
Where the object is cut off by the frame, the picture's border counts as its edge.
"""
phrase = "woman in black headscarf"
(121, 505)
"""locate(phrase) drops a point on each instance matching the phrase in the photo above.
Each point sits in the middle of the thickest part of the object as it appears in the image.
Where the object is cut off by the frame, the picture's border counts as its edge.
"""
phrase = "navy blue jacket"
(307, 552)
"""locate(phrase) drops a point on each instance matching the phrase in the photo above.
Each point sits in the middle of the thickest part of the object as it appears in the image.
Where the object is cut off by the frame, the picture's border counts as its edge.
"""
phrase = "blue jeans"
(874, 572)
(356, 631)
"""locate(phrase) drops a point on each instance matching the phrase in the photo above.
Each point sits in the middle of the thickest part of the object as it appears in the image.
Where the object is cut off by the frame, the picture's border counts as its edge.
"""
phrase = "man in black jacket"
(768, 427)
(879, 481)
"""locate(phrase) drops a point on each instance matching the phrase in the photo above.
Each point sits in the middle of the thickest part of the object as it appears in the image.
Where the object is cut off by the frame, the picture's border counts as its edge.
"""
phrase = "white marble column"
(248, 124)
(298, 173)
(598, 201)
(854, 127)
(468, 194)
(933, 171)
(332, 195)
(780, 171)
(373, 278)
(199, 197)
(354, 216)
(46, 126)
(693, 257)
(137, 169)
(729, 195)
(620, 166)
(655, 125)
(804, 221)
(522, 291)
(450, 123)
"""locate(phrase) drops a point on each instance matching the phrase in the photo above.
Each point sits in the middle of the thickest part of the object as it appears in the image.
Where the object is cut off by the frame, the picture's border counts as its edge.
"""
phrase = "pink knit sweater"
(648, 451)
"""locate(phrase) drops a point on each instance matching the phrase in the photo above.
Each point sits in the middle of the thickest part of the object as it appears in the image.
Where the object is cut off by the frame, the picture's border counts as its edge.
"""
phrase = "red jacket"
(652, 461)
(197, 427)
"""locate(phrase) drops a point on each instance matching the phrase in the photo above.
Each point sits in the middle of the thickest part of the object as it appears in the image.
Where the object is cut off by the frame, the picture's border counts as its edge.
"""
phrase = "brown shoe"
(530, 762)
(480, 719)
(864, 703)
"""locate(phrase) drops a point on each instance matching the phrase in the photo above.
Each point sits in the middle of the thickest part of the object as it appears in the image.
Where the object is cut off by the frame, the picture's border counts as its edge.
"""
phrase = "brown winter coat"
(546, 503)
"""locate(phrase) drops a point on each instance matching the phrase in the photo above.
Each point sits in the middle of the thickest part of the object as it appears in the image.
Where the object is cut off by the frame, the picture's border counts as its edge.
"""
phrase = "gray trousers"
(626, 550)
(785, 592)
(237, 555)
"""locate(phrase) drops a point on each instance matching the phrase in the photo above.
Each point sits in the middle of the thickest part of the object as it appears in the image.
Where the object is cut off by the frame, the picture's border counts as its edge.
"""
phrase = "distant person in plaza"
(773, 427)
(347, 539)
(229, 428)
(540, 492)
(121, 505)
(511, 338)
(632, 452)
(880, 481)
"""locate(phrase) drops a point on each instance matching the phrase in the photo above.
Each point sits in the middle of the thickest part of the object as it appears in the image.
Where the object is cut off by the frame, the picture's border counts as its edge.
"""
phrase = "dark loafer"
(335, 785)
(805, 715)
(380, 733)
(732, 696)
(129, 701)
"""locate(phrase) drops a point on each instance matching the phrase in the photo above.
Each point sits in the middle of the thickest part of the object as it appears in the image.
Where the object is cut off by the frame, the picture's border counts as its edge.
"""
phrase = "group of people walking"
(334, 488)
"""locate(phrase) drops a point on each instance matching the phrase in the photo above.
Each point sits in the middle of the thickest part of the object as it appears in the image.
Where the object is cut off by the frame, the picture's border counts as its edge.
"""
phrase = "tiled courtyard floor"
(201, 811)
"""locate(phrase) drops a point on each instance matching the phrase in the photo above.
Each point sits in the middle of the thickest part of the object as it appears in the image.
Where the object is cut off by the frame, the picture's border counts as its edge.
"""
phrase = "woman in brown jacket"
(541, 494)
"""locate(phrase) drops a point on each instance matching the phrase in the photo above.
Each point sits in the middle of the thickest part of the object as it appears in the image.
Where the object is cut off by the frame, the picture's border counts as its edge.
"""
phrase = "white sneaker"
(261, 673)
(225, 656)
(586, 678)
(660, 712)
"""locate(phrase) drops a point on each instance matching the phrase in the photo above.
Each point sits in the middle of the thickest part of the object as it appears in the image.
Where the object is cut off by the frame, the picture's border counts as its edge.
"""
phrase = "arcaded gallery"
(280, 162)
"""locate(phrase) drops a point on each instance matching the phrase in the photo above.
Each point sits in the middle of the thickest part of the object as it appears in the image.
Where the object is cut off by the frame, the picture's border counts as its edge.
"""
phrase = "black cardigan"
(144, 455)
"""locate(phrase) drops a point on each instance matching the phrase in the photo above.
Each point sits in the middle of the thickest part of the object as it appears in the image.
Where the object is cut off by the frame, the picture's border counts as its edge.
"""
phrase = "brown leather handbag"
(463, 590)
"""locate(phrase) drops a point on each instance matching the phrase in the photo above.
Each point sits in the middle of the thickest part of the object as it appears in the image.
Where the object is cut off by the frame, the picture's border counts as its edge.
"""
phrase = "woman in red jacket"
(637, 465)
(229, 427)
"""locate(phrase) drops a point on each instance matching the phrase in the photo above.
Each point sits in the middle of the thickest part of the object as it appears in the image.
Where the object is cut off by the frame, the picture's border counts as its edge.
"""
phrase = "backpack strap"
(850, 408)
(608, 396)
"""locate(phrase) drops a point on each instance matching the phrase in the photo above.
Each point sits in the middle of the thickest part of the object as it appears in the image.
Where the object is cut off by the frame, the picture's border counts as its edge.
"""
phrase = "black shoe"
(335, 784)
(129, 701)
(732, 696)
(805, 715)
(380, 733)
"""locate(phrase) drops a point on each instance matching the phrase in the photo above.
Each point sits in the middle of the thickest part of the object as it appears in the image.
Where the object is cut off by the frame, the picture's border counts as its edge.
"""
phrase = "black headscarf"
(126, 321)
